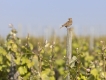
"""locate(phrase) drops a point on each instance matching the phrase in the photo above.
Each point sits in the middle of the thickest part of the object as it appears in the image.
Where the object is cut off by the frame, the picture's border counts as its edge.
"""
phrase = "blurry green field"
(38, 59)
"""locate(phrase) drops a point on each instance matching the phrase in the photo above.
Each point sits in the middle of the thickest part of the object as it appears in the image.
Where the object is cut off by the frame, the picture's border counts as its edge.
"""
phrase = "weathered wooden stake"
(91, 41)
(69, 49)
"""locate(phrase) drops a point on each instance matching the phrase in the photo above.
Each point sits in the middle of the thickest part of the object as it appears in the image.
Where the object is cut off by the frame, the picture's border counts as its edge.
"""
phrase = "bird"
(68, 23)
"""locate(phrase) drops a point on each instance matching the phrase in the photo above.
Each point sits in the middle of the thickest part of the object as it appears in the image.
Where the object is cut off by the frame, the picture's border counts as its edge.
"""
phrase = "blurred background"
(42, 18)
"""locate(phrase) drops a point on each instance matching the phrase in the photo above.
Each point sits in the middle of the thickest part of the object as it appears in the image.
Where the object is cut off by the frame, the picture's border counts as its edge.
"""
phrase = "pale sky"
(35, 16)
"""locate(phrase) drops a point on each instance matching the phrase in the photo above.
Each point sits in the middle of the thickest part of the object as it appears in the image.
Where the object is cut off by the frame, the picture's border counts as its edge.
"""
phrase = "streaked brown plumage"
(68, 23)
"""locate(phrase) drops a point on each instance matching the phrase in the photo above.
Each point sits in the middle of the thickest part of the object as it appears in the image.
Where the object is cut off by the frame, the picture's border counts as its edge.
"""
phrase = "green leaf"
(22, 70)
(94, 72)
(17, 61)
(1, 60)
(52, 78)
(82, 77)
(23, 60)
(59, 62)
(10, 42)
(3, 51)
(8, 56)
(30, 64)
(14, 47)
(74, 58)
(72, 62)
(1, 68)
(31, 46)
(27, 76)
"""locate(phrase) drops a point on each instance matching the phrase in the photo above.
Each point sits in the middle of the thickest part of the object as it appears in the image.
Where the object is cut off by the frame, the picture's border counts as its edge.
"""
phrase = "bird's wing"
(65, 24)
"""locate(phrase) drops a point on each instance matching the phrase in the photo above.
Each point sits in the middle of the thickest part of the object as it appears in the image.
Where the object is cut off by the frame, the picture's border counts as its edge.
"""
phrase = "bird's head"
(69, 19)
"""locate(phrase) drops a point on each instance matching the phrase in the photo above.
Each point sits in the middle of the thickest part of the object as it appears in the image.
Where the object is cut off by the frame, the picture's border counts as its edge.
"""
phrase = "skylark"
(68, 23)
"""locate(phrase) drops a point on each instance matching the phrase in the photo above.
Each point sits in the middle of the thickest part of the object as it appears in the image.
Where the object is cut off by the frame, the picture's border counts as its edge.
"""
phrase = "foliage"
(36, 59)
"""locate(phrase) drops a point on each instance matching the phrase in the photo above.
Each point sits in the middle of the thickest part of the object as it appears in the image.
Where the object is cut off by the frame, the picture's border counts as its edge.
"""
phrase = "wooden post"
(69, 45)
(69, 50)
(91, 43)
